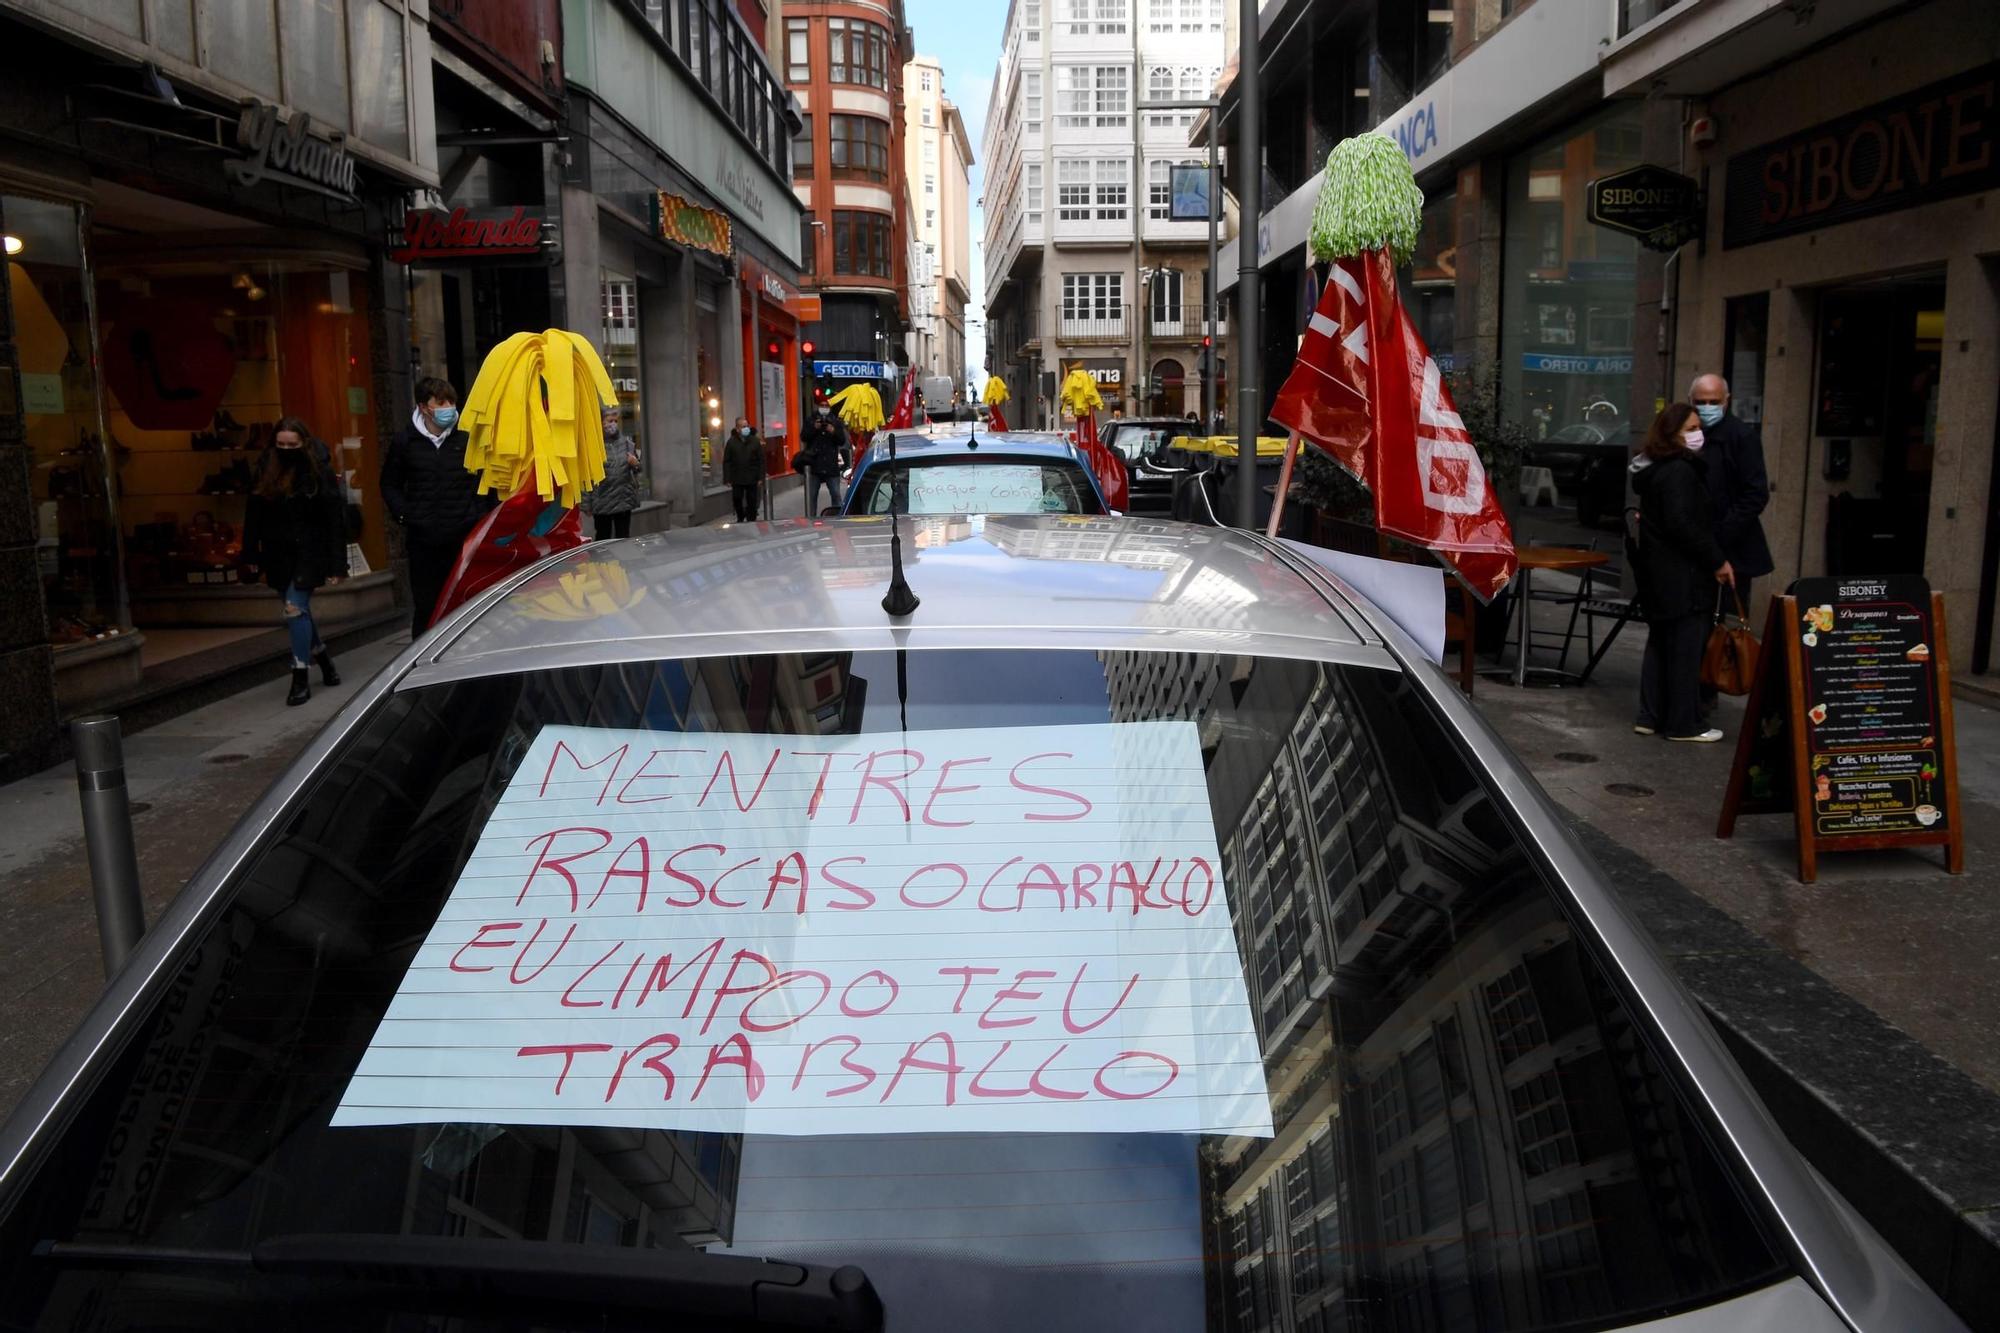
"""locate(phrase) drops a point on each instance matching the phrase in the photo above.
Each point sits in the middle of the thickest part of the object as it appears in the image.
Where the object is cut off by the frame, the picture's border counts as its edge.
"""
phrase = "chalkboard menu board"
(1849, 724)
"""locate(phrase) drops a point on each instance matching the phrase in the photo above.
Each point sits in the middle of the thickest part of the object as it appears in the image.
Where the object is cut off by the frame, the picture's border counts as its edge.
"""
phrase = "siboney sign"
(983, 930)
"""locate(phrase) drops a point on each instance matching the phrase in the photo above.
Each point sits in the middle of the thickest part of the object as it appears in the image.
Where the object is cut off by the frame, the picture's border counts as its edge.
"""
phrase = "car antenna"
(899, 601)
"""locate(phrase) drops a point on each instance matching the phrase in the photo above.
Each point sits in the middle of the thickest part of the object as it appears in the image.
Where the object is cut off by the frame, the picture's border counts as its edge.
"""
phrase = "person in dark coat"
(426, 489)
(1680, 561)
(823, 454)
(295, 539)
(743, 469)
(610, 503)
(1734, 453)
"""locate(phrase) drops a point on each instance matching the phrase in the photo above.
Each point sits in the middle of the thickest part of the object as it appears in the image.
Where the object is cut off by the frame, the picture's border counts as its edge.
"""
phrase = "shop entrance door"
(1875, 421)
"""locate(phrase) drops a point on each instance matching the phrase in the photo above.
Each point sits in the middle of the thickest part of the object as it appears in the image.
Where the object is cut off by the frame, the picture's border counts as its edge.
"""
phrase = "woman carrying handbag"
(1680, 563)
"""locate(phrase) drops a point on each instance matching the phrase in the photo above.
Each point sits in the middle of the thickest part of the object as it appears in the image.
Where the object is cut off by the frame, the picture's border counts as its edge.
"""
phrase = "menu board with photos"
(1849, 723)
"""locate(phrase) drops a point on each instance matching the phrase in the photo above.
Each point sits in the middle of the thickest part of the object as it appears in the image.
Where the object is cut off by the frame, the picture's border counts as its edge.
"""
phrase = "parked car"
(1138, 935)
(960, 469)
(1587, 463)
(1142, 442)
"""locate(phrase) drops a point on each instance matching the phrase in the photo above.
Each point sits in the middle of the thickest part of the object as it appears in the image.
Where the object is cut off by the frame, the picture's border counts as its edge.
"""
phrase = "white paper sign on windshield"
(981, 488)
(949, 930)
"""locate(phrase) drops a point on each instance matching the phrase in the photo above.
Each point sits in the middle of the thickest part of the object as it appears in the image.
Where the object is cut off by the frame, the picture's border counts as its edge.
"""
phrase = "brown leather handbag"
(1729, 662)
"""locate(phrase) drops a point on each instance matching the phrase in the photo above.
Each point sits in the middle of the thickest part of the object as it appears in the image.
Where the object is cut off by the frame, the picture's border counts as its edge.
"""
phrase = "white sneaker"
(1709, 737)
(1640, 728)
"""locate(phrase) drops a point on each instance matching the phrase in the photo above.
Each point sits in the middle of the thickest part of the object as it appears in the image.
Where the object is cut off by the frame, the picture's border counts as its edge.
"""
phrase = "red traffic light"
(771, 349)
(806, 348)
(1207, 341)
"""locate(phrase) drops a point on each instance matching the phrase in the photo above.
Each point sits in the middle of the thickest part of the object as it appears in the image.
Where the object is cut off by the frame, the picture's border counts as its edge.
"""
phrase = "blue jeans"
(299, 621)
(813, 482)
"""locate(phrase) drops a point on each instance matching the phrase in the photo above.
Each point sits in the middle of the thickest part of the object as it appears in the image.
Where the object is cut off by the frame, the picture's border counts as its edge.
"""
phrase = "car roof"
(964, 439)
(816, 585)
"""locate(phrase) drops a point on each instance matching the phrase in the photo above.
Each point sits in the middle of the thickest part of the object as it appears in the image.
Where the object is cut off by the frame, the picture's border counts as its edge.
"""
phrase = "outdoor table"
(1532, 558)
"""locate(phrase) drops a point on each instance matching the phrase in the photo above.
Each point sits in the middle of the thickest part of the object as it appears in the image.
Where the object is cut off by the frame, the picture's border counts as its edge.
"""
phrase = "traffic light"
(1207, 356)
(771, 349)
(806, 349)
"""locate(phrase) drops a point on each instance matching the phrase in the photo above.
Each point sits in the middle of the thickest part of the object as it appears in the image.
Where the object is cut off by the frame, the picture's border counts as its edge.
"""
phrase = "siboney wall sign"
(993, 929)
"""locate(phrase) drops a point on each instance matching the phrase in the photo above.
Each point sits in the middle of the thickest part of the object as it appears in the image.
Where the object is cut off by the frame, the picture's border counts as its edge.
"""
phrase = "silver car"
(1139, 935)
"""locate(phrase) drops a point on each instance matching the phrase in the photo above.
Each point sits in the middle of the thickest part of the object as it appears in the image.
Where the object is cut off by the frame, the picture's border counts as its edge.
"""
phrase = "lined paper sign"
(996, 929)
(981, 488)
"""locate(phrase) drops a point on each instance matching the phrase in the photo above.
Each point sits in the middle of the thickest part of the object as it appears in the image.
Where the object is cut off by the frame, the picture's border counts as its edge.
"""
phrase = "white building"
(938, 165)
(1084, 265)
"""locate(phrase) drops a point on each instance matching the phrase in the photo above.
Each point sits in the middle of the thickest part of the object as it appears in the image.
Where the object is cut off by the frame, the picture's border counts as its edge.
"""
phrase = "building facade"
(680, 237)
(1086, 264)
(844, 64)
(197, 218)
(938, 164)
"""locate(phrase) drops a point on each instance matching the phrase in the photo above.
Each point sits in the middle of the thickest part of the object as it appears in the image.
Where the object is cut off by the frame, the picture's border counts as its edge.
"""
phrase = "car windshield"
(1134, 442)
(976, 485)
(863, 998)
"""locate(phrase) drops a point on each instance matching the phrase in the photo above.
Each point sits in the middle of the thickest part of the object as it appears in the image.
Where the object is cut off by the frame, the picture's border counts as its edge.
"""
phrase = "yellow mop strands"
(534, 416)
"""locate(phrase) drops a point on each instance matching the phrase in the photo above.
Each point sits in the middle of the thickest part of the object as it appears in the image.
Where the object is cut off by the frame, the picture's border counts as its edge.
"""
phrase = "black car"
(1143, 443)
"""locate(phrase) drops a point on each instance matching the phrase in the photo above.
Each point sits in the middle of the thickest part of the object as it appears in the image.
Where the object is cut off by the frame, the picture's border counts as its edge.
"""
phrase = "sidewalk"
(1866, 1006)
(190, 778)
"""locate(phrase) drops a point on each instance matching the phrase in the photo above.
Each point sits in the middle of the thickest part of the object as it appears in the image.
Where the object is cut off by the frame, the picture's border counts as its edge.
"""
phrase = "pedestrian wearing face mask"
(743, 469)
(1736, 479)
(427, 489)
(295, 538)
(610, 503)
(823, 455)
(1680, 563)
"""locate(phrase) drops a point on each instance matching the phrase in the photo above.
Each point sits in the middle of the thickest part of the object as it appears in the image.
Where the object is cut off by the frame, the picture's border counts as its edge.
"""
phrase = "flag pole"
(1284, 483)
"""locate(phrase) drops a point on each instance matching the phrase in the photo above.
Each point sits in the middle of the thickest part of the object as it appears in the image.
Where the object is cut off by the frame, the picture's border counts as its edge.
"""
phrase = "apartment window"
(1111, 16)
(1196, 84)
(1031, 19)
(1194, 15)
(930, 219)
(1214, 15)
(930, 183)
(1090, 96)
(927, 116)
(1114, 90)
(1160, 88)
(1114, 185)
(858, 52)
(1033, 192)
(1073, 190)
(802, 149)
(1165, 297)
(1159, 15)
(1093, 295)
(861, 244)
(924, 80)
(930, 150)
(798, 62)
(859, 147)
(1031, 100)
(808, 244)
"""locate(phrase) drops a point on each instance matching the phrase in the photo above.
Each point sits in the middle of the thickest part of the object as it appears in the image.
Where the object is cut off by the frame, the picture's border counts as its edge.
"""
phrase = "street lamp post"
(1250, 209)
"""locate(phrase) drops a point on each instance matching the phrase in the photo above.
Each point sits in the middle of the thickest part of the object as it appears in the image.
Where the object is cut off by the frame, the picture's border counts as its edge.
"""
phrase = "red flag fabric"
(904, 416)
(522, 530)
(994, 419)
(1108, 466)
(1367, 391)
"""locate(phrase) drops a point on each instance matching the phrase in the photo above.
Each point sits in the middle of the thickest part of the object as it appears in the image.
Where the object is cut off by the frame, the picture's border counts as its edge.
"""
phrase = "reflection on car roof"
(985, 581)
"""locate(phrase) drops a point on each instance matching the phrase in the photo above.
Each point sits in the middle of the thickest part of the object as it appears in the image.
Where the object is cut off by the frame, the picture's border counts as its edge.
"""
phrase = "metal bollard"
(107, 835)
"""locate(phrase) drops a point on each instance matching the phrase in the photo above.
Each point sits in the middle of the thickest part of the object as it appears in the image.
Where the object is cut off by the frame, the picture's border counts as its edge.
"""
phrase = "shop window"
(808, 244)
(710, 375)
(1430, 283)
(621, 346)
(1568, 288)
(75, 533)
(375, 44)
(1745, 320)
(859, 147)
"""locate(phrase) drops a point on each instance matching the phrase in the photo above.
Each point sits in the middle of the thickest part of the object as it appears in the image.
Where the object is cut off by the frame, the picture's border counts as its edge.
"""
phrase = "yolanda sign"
(948, 930)
(465, 233)
(285, 151)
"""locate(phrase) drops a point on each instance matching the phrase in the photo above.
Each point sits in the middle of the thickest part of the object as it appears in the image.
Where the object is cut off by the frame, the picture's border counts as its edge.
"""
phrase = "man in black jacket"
(1733, 452)
(824, 454)
(427, 489)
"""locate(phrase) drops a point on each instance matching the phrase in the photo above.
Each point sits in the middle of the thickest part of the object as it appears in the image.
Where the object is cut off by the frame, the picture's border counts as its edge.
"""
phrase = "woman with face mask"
(611, 502)
(1679, 564)
(295, 537)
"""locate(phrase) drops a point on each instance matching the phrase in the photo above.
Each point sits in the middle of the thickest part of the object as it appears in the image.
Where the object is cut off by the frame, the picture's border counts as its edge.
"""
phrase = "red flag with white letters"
(1366, 390)
(904, 416)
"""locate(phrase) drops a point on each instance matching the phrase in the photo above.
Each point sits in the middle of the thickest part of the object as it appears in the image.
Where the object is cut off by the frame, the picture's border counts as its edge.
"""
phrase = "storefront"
(168, 304)
(771, 362)
(1850, 291)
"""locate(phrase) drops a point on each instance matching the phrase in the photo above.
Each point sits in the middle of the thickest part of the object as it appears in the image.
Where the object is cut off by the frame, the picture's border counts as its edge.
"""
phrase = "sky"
(964, 36)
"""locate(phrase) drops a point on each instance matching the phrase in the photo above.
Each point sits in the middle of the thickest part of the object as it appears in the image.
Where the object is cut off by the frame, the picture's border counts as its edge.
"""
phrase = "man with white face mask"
(1737, 482)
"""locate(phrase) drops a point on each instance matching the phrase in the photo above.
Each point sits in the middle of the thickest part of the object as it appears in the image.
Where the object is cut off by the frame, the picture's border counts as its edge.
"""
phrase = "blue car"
(957, 469)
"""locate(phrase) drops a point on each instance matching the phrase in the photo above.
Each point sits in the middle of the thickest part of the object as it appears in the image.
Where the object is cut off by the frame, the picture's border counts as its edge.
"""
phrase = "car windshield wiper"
(735, 1289)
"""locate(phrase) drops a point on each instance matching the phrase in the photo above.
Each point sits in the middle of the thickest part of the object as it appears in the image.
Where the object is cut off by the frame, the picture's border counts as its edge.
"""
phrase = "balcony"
(1095, 323)
(1182, 321)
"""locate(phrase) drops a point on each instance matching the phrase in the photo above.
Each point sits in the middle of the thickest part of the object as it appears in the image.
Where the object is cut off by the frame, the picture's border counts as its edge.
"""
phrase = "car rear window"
(1432, 1109)
(977, 486)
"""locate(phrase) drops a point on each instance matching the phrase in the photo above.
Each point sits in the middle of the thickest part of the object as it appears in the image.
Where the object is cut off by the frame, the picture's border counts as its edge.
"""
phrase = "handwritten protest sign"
(981, 930)
(981, 488)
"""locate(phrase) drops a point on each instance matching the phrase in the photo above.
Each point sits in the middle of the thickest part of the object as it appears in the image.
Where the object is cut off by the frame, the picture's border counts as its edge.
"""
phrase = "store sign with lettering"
(1939, 142)
(466, 233)
(852, 370)
(931, 932)
(1662, 208)
(1547, 364)
(691, 225)
(285, 151)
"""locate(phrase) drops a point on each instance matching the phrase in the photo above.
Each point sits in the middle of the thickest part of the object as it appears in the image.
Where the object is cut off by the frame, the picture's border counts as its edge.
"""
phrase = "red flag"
(1366, 390)
(522, 530)
(994, 419)
(904, 416)
(1108, 466)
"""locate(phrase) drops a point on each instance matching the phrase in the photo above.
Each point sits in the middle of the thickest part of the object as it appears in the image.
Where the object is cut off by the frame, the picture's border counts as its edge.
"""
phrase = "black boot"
(327, 675)
(300, 690)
